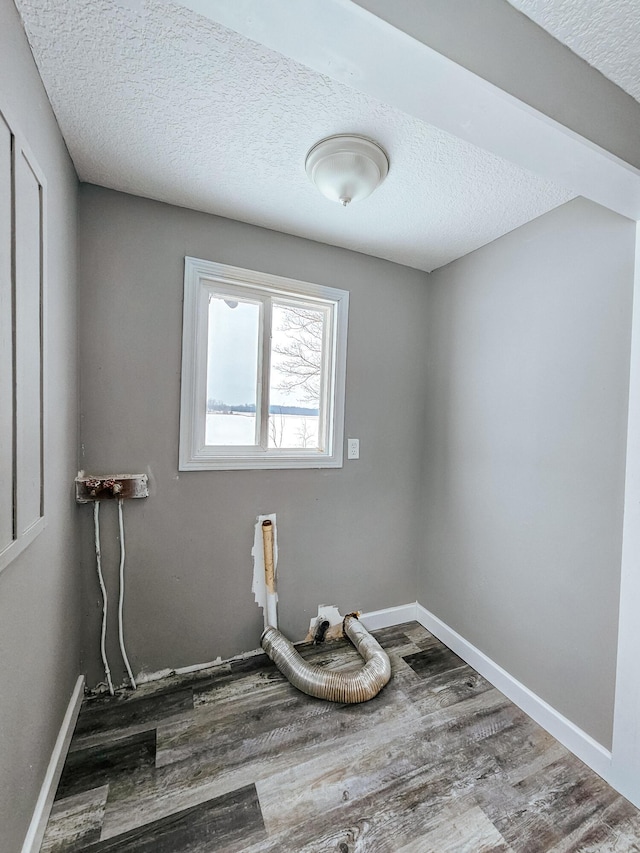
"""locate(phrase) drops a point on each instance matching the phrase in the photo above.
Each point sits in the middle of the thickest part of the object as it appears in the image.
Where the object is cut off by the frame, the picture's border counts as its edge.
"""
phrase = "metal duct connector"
(323, 683)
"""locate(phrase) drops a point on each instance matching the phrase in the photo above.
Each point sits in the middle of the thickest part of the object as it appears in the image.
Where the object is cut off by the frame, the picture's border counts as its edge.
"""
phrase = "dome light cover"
(347, 168)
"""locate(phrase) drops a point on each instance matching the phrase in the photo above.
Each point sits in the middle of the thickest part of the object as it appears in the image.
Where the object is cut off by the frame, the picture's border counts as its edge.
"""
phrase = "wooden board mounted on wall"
(110, 487)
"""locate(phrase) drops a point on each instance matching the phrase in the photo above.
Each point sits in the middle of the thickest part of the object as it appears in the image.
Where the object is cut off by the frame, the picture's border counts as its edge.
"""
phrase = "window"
(263, 370)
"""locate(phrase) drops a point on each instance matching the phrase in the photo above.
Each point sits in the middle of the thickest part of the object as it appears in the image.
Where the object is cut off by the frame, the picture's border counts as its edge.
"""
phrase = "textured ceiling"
(157, 101)
(606, 33)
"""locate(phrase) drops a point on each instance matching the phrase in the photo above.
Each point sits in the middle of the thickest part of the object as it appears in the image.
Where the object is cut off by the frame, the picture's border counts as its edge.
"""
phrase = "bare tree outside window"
(300, 350)
(305, 433)
(276, 429)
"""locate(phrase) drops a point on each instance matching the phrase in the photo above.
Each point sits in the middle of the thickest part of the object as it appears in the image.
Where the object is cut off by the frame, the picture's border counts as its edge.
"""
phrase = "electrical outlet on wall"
(353, 448)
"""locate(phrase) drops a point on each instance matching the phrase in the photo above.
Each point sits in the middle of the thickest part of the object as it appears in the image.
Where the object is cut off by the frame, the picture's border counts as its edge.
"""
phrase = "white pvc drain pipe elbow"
(358, 686)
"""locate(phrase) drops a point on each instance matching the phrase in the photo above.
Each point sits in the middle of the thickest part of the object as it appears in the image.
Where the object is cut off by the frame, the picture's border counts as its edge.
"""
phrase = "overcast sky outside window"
(233, 356)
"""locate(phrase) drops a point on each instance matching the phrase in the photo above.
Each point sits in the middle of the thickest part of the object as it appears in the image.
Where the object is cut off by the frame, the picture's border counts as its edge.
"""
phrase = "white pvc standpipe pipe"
(103, 634)
(121, 601)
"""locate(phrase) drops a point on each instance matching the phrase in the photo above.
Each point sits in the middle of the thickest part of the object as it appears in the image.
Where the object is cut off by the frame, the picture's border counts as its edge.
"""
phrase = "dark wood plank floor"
(235, 760)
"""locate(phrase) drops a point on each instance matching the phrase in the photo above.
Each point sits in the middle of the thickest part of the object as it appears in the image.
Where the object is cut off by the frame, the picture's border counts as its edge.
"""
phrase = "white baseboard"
(577, 741)
(388, 617)
(42, 810)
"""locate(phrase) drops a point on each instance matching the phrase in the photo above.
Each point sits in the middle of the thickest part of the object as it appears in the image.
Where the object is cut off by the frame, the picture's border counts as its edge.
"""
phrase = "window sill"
(271, 462)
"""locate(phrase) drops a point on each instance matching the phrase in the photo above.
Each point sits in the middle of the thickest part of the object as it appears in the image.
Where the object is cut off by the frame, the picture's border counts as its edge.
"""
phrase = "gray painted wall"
(529, 342)
(347, 537)
(40, 600)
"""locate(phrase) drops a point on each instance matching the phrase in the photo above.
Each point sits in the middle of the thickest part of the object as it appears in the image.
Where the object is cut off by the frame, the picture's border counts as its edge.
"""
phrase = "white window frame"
(201, 278)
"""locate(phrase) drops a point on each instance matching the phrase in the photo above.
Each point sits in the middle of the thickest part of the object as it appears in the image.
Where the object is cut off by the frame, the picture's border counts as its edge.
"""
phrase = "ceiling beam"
(348, 43)
(503, 46)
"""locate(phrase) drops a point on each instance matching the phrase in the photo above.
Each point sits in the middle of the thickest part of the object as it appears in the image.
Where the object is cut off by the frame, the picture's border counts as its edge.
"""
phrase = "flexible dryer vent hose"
(358, 686)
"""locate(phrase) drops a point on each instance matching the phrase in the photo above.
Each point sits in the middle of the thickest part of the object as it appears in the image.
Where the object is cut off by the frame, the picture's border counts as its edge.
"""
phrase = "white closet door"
(28, 313)
(6, 343)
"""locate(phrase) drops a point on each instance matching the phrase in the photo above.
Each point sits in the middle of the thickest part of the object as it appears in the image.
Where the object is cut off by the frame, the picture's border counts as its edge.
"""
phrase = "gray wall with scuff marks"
(347, 536)
(40, 591)
(529, 341)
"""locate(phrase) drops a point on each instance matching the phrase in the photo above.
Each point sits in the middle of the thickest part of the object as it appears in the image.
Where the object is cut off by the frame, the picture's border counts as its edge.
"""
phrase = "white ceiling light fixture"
(347, 168)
